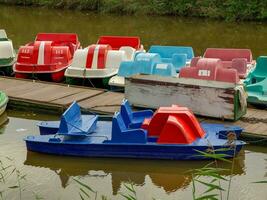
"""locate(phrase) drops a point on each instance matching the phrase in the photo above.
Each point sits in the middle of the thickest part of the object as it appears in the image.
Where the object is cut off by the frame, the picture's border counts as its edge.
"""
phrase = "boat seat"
(259, 73)
(6, 50)
(173, 54)
(228, 54)
(61, 39)
(164, 69)
(129, 52)
(146, 63)
(210, 69)
(133, 119)
(122, 134)
(240, 64)
(3, 35)
(227, 75)
(257, 92)
(194, 61)
(116, 42)
(72, 123)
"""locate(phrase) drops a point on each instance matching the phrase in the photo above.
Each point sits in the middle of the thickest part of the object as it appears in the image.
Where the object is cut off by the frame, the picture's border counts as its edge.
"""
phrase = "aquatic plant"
(12, 179)
(214, 189)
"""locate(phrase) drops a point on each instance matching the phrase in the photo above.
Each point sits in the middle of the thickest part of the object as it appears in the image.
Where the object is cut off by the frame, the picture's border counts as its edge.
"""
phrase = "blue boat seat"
(121, 134)
(133, 119)
(164, 69)
(72, 123)
(148, 63)
(177, 55)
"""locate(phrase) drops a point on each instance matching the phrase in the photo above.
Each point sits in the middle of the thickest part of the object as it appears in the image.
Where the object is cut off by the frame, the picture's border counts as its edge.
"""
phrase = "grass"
(234, 10)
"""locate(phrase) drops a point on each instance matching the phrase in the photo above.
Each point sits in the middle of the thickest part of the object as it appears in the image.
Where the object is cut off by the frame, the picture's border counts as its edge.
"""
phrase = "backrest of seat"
(164, 69)
(118, 126)
(261, 66)
(71, 118)
(3, 36)
(97, 56)
(6, 50)
(116, 42)
(227, 75)
(179, 61)
(228, 54)
(205, 69)
(80, 58)
(145, 62)
(127, 69)
(58, 37)
(194, 61)
(126, 112)
(168, 51)
(114, 58)
(240, 64)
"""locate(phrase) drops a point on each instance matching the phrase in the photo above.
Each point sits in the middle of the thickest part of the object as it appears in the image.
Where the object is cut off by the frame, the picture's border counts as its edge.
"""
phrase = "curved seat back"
(3, 35)
(210, 69)
(169, 51)
(261, 67)
(228, 54)
(116, 42)
(97, 56)
(6, 49)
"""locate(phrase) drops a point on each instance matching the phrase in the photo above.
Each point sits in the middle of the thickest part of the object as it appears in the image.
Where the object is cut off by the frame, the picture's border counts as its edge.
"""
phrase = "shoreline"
(229, 11)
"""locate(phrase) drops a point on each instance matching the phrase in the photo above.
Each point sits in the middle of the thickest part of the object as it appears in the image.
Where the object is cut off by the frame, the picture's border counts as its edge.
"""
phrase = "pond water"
(52, 177)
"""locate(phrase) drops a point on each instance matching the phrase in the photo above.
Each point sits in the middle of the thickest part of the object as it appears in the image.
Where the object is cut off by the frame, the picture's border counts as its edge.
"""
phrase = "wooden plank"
(49, 93)
(254, 122)
(77, 97)
(107, 103)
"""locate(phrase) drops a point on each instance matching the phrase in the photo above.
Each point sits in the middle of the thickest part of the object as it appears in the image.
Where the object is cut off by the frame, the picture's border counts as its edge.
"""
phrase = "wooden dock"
(55, 98)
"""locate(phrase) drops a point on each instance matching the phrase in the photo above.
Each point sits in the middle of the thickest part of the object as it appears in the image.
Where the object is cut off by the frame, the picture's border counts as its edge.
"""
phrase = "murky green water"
(52, 176)
(22, 24)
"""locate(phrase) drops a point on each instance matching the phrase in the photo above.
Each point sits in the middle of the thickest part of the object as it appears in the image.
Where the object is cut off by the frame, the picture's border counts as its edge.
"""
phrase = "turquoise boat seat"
(146, 63)
(257, 92)
(256, 82)
(259, 73)
(177, 55)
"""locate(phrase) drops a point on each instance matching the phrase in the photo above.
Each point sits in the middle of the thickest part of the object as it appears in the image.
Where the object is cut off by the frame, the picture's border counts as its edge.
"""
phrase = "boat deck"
(55, 98)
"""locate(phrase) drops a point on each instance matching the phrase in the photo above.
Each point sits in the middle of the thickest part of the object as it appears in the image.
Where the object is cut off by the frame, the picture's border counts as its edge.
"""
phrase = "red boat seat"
(116, 42)
(99, 51)
(194, 61)
(174, 125)
(210, 69)
(240, 64)
(60, 39)
(228, 54)
(61, 55)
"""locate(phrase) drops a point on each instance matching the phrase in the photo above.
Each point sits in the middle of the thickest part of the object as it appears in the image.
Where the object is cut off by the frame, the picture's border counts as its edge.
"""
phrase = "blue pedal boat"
(171, 133)
(133, 119)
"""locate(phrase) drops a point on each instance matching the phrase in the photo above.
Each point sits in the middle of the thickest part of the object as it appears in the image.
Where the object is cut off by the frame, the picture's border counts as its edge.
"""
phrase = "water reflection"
(170, 175)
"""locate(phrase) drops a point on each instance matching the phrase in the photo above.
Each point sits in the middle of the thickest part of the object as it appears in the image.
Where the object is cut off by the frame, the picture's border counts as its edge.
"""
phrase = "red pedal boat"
(47, 57)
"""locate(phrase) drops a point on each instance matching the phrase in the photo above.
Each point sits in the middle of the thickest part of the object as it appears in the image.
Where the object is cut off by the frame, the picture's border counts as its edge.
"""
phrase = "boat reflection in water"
(170, 175)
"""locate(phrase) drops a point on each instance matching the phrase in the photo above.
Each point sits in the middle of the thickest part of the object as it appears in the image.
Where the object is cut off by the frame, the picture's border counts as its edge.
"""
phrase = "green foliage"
(222, 9)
